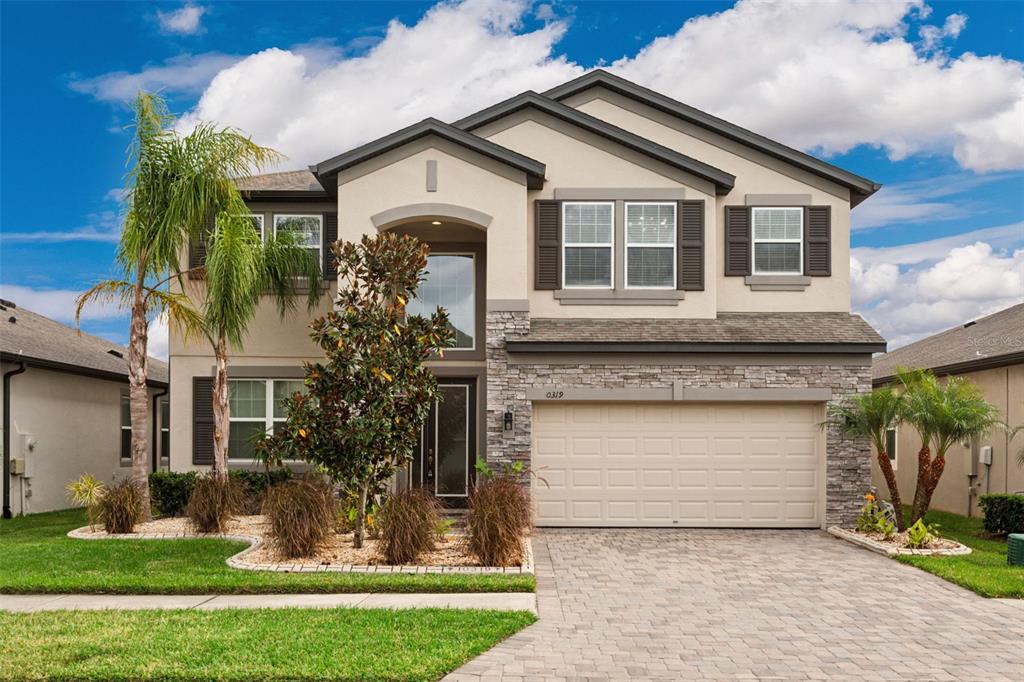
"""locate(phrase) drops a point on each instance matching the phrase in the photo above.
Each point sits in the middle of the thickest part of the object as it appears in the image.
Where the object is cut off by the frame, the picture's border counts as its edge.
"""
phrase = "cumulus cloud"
(186, 20)
(159, 343)
(183, 74)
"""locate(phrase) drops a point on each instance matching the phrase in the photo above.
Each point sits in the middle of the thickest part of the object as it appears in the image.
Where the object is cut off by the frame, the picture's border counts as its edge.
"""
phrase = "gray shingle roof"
(36, 338)
(727, 328)
(990, 341)
(284, 181)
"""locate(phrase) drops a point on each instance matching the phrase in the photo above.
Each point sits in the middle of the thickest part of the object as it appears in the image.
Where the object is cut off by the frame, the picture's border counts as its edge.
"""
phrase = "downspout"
(156, 418)
(7, 436)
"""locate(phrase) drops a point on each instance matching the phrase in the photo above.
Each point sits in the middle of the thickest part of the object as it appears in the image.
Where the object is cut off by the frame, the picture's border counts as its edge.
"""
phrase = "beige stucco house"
(989, 352)
(652, 308)
(65, 410)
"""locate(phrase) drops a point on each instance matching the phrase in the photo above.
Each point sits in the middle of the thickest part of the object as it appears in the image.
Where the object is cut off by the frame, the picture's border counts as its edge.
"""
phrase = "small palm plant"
(870, 415)
(87, 491)
(943, 415)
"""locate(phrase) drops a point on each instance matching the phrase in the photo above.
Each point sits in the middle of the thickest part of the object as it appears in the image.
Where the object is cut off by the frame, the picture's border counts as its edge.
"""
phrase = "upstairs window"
(588, 237)
(778, 241)
(308, 230)
(450, 284)
(651, 245)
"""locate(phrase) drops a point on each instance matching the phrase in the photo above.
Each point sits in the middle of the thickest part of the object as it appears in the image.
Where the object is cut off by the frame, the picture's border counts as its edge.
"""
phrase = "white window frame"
(894, 456)
(165, 426)
(268, 419)
(610, 246)
(673, 245)
(476, 322)
(320, 219)
(755, 241)
(125, 397)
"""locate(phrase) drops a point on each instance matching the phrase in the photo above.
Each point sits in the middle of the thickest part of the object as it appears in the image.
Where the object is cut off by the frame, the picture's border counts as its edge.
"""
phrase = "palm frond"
(109, 291)
(181, 315)
(869, 415)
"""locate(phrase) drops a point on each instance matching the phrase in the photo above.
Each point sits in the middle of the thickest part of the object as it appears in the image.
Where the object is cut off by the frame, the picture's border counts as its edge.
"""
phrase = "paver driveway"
(735, 604)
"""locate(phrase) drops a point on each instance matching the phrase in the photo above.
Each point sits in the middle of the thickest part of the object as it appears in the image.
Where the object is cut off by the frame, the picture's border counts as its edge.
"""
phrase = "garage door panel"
(670, 465)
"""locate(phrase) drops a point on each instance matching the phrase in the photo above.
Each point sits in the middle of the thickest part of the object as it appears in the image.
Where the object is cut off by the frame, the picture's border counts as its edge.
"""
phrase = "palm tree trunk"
(360, 530)
(885, 464)
(139, 398)
(921, 495)
(931, 482)
(221, 411)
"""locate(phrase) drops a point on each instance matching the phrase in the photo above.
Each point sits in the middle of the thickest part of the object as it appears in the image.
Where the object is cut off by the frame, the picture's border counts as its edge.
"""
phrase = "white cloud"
(184, 21)
(158, 345)
(57, 304)
(183, 74)
(104, 226)
(933, 36)
(919, 201)
(1000, 237)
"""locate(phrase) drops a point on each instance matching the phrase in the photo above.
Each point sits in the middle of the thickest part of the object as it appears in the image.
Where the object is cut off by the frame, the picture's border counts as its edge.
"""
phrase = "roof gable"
(860, 188)
(722, 180)
(328, 169)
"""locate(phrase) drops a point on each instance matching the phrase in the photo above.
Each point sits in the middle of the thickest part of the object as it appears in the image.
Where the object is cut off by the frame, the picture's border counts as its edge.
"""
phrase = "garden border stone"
(239, 560)
(889, 550)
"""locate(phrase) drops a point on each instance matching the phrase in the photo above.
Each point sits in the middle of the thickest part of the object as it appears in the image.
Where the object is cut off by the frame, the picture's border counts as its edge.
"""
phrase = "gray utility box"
(1015, 549)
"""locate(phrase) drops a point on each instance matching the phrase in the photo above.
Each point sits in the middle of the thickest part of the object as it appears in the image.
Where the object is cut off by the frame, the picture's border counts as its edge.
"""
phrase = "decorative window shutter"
(690, 246)
(197, 247)
(330, 268)
(202, 420)
(818, 241)
(548, 258)
(737, 241)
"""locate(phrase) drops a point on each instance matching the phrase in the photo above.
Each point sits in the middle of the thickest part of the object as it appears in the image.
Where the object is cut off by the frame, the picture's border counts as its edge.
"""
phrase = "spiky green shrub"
(86, 491)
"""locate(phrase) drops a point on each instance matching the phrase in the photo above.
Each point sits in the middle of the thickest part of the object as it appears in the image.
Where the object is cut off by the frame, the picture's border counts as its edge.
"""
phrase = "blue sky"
(925, 98)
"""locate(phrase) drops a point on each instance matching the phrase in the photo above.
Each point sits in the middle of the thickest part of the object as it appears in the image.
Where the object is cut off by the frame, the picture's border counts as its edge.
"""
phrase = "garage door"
(655, 464)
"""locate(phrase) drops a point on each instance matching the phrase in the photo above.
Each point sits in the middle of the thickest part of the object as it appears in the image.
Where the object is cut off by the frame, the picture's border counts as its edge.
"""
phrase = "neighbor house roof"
(729, 332)
(431, 126)
(42, 342)
(992, 341)
(860, 187)
(531, 100)
(283, 185)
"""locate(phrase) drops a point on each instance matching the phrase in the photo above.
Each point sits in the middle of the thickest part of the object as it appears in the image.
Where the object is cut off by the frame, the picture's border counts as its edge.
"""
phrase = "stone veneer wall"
(848, 464)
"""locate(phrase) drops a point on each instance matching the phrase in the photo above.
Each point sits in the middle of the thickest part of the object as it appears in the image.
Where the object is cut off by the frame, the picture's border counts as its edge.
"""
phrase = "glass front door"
(444, 459)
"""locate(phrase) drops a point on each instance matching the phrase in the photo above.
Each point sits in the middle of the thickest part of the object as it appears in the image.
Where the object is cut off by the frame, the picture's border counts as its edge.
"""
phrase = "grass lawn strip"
(984, 570)
(293, 644)
(38, 557)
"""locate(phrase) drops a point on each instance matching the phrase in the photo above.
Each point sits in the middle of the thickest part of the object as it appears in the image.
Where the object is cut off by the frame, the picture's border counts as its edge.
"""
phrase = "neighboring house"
(990, 353)
(652, 308)
(65, 407)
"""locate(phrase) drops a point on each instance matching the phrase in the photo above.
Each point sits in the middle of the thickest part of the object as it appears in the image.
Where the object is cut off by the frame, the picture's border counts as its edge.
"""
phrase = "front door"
(444, 460)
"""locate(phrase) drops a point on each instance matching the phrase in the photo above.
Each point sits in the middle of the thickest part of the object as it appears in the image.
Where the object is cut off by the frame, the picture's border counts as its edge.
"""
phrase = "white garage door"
(656, 464)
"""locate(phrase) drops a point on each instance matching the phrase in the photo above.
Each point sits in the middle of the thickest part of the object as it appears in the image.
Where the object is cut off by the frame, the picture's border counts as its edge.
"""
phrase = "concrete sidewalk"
(499, 601)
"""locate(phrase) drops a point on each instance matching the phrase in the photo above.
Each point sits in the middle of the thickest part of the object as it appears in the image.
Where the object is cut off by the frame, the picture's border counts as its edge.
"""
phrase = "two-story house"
(652, 309)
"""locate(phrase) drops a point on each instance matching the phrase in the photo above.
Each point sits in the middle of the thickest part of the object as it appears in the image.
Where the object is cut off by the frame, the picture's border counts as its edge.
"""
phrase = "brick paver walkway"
(713, 604)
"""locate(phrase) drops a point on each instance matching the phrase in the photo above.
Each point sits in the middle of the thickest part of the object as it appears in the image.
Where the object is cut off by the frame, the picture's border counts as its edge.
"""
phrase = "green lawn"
(984, 570)
(292, 644)
(37, 556)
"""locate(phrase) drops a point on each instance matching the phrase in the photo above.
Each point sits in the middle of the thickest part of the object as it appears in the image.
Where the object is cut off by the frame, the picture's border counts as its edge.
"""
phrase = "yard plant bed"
(39, 557)
(984, 570)
(293, 644)
(898, 545)
(337, 554)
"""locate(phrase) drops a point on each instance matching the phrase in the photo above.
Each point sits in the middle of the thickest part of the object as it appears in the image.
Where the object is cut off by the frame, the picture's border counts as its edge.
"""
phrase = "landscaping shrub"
(212, 503)
(171, 490)
(1004, 513)
(254, 486)
(120, 507)
(408, 525)
(499, 514)
(87, 490)
(301, 513)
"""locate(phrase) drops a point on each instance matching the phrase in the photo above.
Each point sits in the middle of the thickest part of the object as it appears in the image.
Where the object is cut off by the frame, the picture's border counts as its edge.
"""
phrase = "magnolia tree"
(366, 402)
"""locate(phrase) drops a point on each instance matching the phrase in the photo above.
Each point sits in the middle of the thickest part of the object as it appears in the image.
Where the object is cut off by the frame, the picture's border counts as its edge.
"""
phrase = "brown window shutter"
(818, 241)
(548, 262)
(197, 247)
(202, 420)
(330, 236)
(737, 241)
(690, 246)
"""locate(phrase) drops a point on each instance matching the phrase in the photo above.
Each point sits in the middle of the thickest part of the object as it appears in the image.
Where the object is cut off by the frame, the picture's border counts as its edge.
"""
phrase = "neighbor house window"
(450, 284)
(165, 428)
(126, 426)
(588, 230)
(308, 230)
(651, 245)
(778, 241)
(890, 445)
(257, 408)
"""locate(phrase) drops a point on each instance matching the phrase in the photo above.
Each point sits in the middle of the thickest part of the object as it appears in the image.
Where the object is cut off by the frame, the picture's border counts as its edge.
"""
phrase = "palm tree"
(870, 415)
(240, 269)
(175, 184)
(943, 415)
